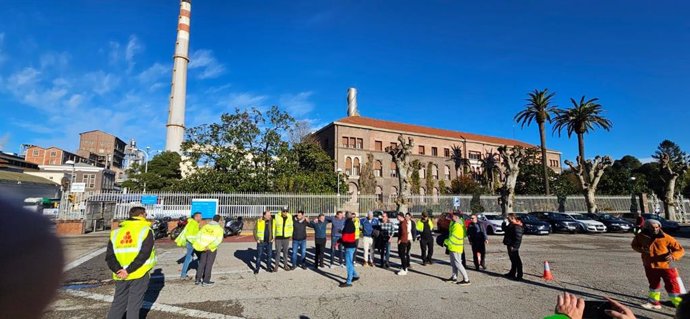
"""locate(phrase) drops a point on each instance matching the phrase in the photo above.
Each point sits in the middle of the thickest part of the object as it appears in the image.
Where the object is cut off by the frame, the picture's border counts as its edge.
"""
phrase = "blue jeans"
(334, 240)
(350, 263)
(268, 247)
(302, 244)
(385, 253)
(187, 260)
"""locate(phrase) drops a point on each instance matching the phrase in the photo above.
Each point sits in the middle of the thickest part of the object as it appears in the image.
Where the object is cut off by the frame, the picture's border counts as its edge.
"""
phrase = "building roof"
(23, 178)
(106, 133)
(410, 128)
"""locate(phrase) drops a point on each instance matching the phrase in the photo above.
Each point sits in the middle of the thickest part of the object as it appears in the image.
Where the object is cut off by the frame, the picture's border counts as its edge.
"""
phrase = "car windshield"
(606, 216)
(561, 217)
(580, 217)
(493, 217)
(525, 217)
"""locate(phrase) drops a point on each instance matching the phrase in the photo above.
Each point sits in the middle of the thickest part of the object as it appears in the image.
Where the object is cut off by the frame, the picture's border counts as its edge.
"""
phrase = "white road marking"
(154, 306)
(84, 259)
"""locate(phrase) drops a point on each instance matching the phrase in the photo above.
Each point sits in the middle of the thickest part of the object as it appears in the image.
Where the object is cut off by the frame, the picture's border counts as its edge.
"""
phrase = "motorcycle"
(181, 223)
(160, 227)
(233, 227)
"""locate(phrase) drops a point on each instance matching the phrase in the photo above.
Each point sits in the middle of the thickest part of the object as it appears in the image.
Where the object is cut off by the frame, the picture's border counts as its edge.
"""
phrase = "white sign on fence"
(456, 201)
(78, 187)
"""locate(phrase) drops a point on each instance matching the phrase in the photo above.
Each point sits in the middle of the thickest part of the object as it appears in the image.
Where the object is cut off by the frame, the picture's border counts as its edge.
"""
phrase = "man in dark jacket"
(512, 239)
(424, 228)
(299, 240)
(348, 241)
(338, 222)
(478, 239)
(319, 225)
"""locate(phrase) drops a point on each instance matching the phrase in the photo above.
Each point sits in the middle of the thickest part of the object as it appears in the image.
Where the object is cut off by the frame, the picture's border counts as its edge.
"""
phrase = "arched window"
(446, 172)
(435, 195)
(353, 191)
(394, 194)
(378, 169)
(348, 166)
(422, 172)
(434, 171)
(394, 173)
(356, 167)
(422, 193)
(379, 193)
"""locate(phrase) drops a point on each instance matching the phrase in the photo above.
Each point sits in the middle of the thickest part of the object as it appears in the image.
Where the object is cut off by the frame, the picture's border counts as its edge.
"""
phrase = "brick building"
(350, 139)
(107, 150)
(52, 156)
(10, 162)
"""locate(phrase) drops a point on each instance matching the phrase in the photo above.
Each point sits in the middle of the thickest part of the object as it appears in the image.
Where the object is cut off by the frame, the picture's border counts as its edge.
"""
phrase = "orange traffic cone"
(547, 271)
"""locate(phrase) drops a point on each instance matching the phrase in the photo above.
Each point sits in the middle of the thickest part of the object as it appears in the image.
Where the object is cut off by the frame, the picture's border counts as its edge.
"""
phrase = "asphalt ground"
(591, 266)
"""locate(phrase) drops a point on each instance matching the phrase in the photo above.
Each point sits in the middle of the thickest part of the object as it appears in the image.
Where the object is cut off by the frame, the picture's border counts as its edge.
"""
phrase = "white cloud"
(133, 47)
(3, 140)
(244, 100)
(102, 82)
(35, 127)
(113, 52)
(75, 100)
(51, 59)
(298, 104)
(22, 78)
(206, 63)
(154, 73)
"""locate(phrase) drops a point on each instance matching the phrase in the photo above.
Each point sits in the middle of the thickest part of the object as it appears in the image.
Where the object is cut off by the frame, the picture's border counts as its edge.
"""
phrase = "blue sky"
(457, 65)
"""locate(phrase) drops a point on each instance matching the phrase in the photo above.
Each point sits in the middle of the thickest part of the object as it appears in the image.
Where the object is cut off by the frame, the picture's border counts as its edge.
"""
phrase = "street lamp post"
(146, 164)
(71, 181)
(633, 202)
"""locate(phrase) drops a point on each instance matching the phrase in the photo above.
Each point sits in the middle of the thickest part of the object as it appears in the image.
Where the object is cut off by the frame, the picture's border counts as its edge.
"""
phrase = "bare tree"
(300, 132)
(669, 174)
(589, 174)
(400, 154)
(509, 168)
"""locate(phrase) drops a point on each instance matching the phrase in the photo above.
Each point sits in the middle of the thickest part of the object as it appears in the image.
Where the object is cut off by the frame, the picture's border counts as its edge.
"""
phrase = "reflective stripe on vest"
(127, 243)
(209, 238)
(191, 230)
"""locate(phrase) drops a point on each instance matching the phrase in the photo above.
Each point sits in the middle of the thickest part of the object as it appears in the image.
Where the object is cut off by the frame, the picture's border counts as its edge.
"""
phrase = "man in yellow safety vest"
(282, 229)
(130, 256)
(207, 241)
(455, 244)
(186, 239)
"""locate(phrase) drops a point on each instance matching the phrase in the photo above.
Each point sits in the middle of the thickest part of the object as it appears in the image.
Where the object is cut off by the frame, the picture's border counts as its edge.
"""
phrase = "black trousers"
(129, 297)
(404, 253)
(479, 254)
(427, 245)
(206, 266)
(515, 263)
(320, 249)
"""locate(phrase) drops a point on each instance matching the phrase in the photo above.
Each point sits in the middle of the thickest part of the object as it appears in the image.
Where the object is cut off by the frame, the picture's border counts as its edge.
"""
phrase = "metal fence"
(100, 208)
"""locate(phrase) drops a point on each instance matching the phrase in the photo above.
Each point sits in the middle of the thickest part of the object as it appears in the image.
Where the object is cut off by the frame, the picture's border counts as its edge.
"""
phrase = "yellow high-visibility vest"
(278, 226)
(259, 230)
(420, 225)
(209, 237)
(456, 235)
(127, 241)
(357, 231)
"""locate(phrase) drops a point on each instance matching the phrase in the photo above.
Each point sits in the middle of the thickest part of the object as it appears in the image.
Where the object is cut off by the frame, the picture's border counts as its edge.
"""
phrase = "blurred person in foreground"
(32, 273)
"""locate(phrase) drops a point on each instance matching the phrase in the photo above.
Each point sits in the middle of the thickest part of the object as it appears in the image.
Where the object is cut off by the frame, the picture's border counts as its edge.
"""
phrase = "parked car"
(588, 225)
(612, 223)
(559, 221)
(392, 218)
(666, 225)
(492, 223)
(534, 226)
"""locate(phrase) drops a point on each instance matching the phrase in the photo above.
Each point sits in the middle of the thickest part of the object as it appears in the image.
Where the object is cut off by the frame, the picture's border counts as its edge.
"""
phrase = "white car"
(492, 223)
(588, 225)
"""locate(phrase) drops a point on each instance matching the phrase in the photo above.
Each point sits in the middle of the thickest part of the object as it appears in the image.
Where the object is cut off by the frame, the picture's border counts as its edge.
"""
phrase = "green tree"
(581, 119)
(307, 169)
(415, 182)
(529, 181)
(442, 188)
(476, 202)
(490, 170)
(673, 165)
(163, 173)
(459, 161)
(539, 109)
(367, 180)
(464, 185)
(429, 183)
(618, 179)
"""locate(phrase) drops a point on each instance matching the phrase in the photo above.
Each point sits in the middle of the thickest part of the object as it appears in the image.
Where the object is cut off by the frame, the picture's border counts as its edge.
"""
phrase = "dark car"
(612, 223)
(534, 225)
(559, 221)
(666, 225)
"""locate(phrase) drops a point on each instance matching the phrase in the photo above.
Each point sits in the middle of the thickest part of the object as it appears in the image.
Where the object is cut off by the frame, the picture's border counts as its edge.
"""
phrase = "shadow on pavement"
(156, 284)
(248, 256)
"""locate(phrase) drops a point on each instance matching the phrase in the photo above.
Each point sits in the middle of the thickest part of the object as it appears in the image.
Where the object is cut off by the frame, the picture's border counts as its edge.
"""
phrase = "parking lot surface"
(591, 266)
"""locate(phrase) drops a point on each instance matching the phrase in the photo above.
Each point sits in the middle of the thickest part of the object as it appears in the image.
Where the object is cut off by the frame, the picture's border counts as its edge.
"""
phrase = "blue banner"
(207, 207)
(149, 199)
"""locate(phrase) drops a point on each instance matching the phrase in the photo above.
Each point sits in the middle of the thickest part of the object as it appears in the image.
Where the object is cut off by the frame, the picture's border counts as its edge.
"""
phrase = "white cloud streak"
(204, 65)
(297, 105)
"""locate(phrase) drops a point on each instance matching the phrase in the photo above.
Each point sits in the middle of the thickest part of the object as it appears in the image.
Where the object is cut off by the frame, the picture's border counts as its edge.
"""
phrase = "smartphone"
(595, 309)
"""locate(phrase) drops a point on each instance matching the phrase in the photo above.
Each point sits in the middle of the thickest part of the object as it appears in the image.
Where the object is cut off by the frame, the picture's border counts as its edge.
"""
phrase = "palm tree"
(582, 118)
(457, 159)
(490, 170)
(539, 109)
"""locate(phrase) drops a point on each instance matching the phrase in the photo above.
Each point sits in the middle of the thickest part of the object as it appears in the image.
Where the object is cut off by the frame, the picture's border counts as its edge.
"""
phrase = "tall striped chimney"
(178, 93)
(352, 102)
